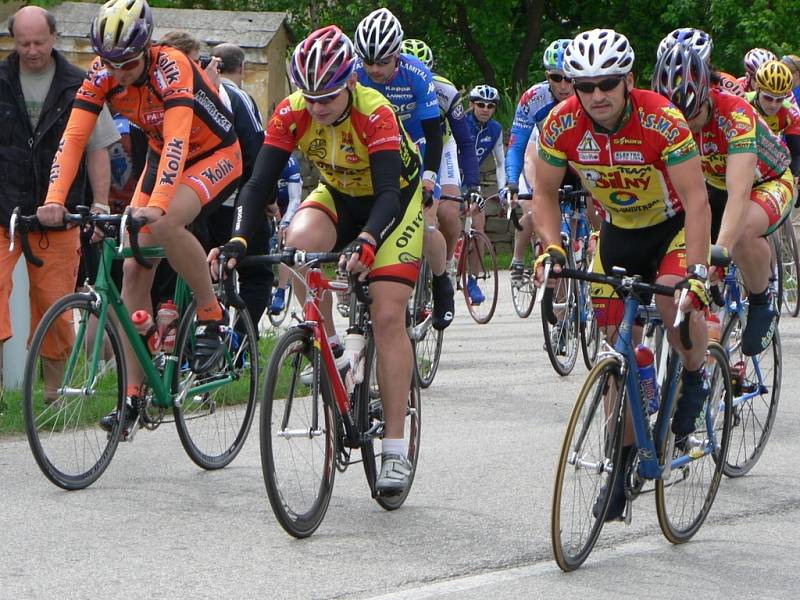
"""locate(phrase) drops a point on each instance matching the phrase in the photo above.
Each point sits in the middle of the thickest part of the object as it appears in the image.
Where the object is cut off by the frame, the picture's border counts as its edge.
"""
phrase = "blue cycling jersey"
(485, 136)
(412, 94)
(534, 105)
(290, 174)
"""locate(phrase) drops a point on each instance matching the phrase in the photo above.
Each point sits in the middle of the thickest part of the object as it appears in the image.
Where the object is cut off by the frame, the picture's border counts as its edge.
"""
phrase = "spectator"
(37, 89)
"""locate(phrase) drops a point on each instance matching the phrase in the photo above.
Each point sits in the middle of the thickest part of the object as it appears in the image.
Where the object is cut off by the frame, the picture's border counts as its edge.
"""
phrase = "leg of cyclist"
(449, 216)
(476, 296)
(435, 251)
(522, 238)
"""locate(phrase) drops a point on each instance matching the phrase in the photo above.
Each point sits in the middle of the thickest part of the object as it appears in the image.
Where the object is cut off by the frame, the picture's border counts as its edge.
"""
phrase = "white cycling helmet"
(696, 39)
(597, 53)
(484, 93)
(378, 35)
(755, 58)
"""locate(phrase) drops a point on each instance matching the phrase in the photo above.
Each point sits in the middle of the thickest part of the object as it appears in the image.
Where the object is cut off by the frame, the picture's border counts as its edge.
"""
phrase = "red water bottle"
(647, 378)
(457, 251)
(167, 321)
(143, 322)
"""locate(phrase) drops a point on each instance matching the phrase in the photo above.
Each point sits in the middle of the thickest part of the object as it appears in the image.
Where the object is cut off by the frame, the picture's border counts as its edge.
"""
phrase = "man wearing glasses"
(635, 153)
(408, 85)
(534, 105)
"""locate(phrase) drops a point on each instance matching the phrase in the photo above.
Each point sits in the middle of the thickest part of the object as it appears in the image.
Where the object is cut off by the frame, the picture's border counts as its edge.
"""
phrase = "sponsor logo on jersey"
(588, 150)
(317, 148)
(556, 126)
(211, 109)
(153, 117)
(623, 198)
(167, 68)
(407, 258)
(173, 152)
(673, 112)
(407, 235)
(662, 125)
(629, 156)
(620, 178)
(55, 169)
(220, 170)
(624, 141)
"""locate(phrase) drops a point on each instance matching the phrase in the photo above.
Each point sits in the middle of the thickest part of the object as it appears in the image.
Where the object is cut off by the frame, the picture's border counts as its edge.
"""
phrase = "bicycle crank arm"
(299, 433)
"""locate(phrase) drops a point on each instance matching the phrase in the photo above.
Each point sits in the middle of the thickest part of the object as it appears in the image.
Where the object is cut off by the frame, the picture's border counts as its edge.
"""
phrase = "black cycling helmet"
(682, 77)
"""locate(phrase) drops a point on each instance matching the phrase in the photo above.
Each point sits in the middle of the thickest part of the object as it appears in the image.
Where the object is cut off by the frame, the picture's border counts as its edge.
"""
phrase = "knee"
(388, 321)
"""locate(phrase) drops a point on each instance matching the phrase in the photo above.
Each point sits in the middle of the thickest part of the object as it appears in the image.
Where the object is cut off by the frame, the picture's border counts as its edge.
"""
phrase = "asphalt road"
(476, 524)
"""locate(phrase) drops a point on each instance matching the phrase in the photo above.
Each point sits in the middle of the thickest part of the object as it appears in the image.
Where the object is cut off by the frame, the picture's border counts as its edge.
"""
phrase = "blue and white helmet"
(484, 93)
(696, 39)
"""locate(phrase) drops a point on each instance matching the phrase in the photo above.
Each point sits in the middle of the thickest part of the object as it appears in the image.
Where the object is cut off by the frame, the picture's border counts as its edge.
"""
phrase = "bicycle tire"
(478, 244)
(299, 491)
(790, 267)
(69, 447)
(685, 499)
(753, 418)
(585, 467)
(590, 330)
(213, 426)
(277, 320)
(426, 340)
(523, 290)
(369, 411)
(563, 356)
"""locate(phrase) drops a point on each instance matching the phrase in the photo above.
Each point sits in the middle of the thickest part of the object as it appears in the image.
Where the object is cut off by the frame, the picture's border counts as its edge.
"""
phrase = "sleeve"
(793, 119)
(551, 143)
(104, 133)
(281, 128)
(68, 156)
(520, 132)
(385, 168)
(740, 131)
(467, 159)
(434, 144)
(252, 198)
(500, 161)
(248, 128)
(675, 137)
(793, 143)
(295, 190)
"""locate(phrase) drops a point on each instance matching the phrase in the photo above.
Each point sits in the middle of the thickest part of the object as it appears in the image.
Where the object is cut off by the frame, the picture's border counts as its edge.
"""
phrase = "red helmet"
(323, 61)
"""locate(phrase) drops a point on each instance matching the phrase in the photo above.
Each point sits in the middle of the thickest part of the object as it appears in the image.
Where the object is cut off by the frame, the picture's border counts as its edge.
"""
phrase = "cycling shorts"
(650, 252)
(210, 177)
(399, 255)
(60, 252)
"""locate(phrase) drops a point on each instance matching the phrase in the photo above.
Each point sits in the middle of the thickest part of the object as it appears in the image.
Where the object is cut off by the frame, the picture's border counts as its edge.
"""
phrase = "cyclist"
(748, 167)
(408, 85)
(193, 161)
(533, 107)
(793, 62)
(753, 59)
(701, 43)
(368, 200)
(634, 152)
(290, 191)
(486, 131)
(458, 151)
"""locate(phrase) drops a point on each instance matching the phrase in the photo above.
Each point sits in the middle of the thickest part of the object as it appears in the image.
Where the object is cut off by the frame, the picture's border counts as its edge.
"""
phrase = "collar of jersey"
(626, 115)
(346, 113)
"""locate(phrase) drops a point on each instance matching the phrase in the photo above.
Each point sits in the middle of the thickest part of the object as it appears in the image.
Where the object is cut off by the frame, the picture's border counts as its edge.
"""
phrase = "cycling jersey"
(411, 92)
(488, 138)
(734, 127)
(289, 175)
(175, 105)
(729, 83)
(451, 114)
(786, 121)
(625, 171)
(534, 105)
(341, 151)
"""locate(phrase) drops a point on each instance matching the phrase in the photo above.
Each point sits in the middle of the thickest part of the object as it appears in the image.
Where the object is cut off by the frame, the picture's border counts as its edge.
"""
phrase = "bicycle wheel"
(561, 339)
(590, 330)
(479, 264)
(589, 461)
(790, 267)
(369, 415)
(685, 498)
(523, 289)
(62, 402)
(426, 340)
(298, 441)
(757, 387)
(277, 320)
(213, 423)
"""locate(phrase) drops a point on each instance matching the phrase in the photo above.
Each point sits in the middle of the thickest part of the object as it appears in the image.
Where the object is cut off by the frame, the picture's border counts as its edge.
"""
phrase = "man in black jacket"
(37, 88)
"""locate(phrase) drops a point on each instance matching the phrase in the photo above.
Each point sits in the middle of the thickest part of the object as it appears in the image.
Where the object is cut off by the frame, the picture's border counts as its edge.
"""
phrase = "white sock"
(395, 446)
(334, 339)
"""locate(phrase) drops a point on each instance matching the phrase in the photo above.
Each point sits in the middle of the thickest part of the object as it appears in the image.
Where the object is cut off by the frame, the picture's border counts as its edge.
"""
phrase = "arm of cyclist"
(500, 162)
(529, 163)
(432, 130)
(793, 143)
(739, 183)
(467, 159)
(547, 210)
(295, 189)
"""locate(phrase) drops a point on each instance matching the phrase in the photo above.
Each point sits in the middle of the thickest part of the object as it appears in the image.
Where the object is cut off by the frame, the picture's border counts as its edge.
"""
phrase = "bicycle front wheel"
(589, 462)
(757, 390)
(684, 499)
(214, 419)
(370, 421)
(561, 339)
(63, 400)
(790, 267)
(298, 434)
(479, 276)
(426, 340)
(590, 330)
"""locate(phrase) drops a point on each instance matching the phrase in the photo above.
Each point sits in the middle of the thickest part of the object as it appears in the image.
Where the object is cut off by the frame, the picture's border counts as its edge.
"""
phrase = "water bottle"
(354, 343)
(457, 251)
(647, 378)
(143, 322)
(713, 325)
(167, 321)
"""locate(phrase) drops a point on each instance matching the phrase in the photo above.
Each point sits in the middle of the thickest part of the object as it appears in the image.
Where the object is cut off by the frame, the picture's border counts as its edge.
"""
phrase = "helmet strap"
(346, 112)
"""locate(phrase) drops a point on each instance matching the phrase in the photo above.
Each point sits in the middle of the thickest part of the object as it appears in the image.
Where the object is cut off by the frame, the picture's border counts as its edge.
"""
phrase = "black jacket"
(26, 155)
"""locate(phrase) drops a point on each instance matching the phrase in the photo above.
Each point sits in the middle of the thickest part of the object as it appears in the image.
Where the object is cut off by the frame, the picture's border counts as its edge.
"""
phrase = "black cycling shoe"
(762, 320)
(110, 421)
(694, 394)
(209, 344)
(444, 305)
(616, 506)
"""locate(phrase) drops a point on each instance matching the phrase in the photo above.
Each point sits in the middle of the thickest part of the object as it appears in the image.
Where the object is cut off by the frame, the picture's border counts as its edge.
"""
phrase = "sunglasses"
(771, 98)
(606, 85)
(125, 65)
(556, 77)
(486, 105)
(381, 63)
(323, 98)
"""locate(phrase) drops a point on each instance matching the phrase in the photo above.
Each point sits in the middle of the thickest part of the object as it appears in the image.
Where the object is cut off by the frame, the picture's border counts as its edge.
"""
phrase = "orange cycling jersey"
(176, 105)
(729, 83)
(786, 121)
(733, 127)
(626, 171)
(341, 151)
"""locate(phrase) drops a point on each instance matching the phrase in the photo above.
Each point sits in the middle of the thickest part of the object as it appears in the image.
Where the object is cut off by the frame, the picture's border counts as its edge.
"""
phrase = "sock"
(760, 298)
(395, 446)
(693, 376)
(334, 339)
(212, 312)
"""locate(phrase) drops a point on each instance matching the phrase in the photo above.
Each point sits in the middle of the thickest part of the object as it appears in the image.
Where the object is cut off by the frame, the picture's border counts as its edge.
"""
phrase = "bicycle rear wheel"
(369, 415)
(684, 500)
(757, 389)
(790, 267)
(561, 339)
(426, 340)
(479, 262)
(298, 434)
(523, 288)
(62, 402)
(213, 424)
(589, 461)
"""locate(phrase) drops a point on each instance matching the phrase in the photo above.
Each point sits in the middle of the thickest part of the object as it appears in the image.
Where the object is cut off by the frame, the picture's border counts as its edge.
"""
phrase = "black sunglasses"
(606, 85)
(485, 104)
(382, 62)
(556, 77)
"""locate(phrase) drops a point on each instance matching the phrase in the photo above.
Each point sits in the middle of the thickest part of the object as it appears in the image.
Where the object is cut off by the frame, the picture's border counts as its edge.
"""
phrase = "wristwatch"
(698, 271)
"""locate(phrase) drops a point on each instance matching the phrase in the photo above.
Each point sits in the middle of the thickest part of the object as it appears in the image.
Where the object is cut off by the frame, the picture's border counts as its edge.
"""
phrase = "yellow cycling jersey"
(341, 151)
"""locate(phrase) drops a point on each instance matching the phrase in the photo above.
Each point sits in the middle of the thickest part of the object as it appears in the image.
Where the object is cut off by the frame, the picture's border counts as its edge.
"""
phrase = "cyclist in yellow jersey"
(369, 200)
(633, 151)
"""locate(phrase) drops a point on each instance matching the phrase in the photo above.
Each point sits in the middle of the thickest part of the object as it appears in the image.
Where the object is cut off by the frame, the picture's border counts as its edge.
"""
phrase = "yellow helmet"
(774, 77)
